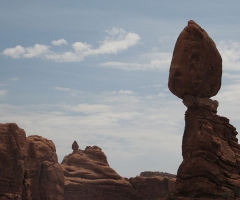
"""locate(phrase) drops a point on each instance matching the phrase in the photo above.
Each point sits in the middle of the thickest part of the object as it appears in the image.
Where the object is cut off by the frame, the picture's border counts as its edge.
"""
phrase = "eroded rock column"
(210, 149)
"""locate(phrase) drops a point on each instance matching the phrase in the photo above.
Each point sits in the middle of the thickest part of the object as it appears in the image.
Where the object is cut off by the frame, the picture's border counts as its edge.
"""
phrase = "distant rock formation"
(28, 166)
(156, 173)
(210, 149)
(89, 176)
(153, 187)
(75, 146)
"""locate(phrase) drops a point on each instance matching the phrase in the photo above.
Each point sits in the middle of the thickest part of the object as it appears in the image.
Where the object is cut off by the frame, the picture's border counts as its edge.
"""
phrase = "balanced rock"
(196, 67)
(89, 176)
(211, 153)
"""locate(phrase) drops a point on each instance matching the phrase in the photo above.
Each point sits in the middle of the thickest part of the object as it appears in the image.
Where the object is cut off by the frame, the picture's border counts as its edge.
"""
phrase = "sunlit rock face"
(196, 67)
(211, 153)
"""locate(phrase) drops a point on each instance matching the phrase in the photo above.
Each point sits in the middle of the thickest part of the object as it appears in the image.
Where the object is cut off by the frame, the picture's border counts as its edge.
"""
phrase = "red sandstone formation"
(89, 176)
(210, 149)
(28, 166)
(153, 187)
(13, 154)
(196, 67)
(45, 176)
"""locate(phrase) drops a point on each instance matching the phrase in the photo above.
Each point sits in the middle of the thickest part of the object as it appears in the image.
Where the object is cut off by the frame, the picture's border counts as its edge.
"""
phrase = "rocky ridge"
(30, 171)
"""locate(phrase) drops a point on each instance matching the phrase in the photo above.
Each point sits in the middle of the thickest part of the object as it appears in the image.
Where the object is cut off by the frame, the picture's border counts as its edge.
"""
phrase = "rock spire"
(75, 146)
(210, 149)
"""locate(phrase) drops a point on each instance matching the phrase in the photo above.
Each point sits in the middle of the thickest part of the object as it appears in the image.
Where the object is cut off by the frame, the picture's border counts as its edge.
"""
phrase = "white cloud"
(3, 93)
(231, 76)
(81, 47)
(162, 62)
(59, 42)
(118, 33)
(15, 52)
(230, 52)
(230, 94)
(28, 52)
(63, 89)
(110, 46)
(117, 41)
(126, 92)
(36, 50)
(14, 79)
(88, 108)
(64, 57)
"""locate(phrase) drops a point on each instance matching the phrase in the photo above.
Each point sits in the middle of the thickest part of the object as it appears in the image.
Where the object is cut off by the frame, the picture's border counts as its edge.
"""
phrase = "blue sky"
(97, 72)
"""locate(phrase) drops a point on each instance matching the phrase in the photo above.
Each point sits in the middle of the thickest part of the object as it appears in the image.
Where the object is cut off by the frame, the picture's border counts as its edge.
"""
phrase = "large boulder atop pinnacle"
(196, 67)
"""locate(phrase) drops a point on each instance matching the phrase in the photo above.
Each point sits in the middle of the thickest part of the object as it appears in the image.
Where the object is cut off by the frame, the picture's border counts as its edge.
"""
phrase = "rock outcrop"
(13, 154)
(156, 173)
(196, 67)
(153, 187)
(89, 176)
(210, 149)
(28, 166)
(29, 170)
(44, 175)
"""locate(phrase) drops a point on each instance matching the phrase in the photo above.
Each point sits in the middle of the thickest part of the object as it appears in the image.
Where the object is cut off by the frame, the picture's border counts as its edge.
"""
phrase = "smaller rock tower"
(75, 146)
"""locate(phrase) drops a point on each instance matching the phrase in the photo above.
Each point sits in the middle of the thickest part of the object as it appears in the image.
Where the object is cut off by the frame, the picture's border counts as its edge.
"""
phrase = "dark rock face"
(196, 67)
(28, 166)
(153, 187)
(89, 176)
(75, 146)
(211, 153)
(45, 176)
(13, 153)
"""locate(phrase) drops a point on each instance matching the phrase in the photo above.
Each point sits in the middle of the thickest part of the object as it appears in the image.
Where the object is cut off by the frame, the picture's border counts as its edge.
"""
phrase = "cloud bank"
(117, 40)
(161, 61)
